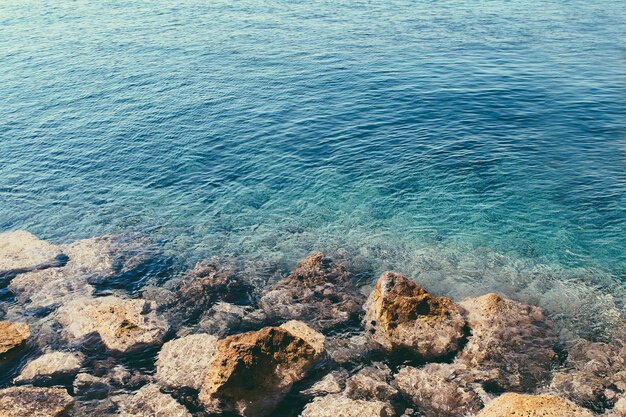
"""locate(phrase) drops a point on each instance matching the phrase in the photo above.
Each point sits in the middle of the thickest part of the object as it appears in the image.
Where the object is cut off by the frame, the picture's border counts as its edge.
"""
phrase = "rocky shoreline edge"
(75, 342)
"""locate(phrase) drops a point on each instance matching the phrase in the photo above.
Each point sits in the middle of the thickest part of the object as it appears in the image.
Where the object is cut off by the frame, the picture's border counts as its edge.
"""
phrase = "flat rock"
(333, 383)
(341, 406)
(91, 387)
(12, 335)
(594, 373)
(33, 402)
(438, 391)
(520, 405)
(401, 315)
(122, 324)
(150, 401)
(318, 292)
(50, 367)
(22, 251)
(252, 372)
(371, 383)
(184, 362)
(511, 345)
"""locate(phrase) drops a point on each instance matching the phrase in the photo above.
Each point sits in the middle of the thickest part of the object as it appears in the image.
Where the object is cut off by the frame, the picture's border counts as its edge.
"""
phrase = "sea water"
(473, 145)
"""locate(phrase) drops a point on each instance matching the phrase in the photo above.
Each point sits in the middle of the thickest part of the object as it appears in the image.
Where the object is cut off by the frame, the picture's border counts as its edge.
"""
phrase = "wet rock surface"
(22, 251)
(12, 335)
(33, 402)
(520, 405)
(438, 390)
(122, 324)
(150, 401)
(318, 292)
(340, 406)
(174, 367)
(401, 315)
(251, 372)
(50, 368)
(511, 346)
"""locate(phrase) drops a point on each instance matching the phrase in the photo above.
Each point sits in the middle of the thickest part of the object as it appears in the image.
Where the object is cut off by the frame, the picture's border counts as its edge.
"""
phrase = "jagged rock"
(209, 282)
(33, 402)
(50, 368)
(401, 315)
(122, 324)
(371, 383)
(594, 373)
(520, 405)
(184, 362)
(619, 410)
(251, 372)
(333, 383)
(318, 292)
(12, 335)
(340, 406)
(22, 251)
(90, 261)
(150, 401)
(438, 391)
(91, 387)
(511, 346)
(350, 349)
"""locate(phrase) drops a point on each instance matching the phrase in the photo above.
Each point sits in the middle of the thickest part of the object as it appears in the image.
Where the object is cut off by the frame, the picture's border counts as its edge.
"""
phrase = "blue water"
(472, 145)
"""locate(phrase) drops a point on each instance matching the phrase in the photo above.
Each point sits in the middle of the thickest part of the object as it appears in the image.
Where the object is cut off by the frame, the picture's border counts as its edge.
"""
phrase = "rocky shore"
(75, 342)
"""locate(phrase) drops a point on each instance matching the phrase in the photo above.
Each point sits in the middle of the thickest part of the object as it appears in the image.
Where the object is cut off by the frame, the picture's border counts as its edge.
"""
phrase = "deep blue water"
(472, 145)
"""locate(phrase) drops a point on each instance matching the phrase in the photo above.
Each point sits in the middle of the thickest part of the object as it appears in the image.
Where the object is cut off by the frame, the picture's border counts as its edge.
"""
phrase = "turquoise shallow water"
(475, 146)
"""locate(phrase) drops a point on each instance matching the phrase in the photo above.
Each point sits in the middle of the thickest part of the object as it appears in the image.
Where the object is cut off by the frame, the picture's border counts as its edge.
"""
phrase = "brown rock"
(12, 335)
(519, 405)
(619, 410)
(251, 372)
(511, 346)
(401, 315)
(318, 292)
(33, 402)
(438, 390)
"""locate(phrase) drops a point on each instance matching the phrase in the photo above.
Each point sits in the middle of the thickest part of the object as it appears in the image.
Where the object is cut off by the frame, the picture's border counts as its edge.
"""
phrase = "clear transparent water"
(475, 146)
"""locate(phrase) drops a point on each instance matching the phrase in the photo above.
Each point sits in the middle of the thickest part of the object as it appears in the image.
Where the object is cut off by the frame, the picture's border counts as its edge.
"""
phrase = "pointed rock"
(401, 315)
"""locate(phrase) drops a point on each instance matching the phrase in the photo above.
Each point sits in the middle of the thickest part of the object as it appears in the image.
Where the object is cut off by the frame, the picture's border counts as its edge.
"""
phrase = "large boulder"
(511, 346)
(21, 251)
(50, 368)
(33, 402)
(520, 405)
(594, 373)
(401, 315)
(252, 372)
(184, 362)
(438, 390)
(150, 401)
(341, 406)
(318, 292)
(12, 335)
(122, 324)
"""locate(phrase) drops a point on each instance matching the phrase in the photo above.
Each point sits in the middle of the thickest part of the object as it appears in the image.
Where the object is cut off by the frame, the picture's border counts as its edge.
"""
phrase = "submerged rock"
(251, 372)
(33, 402)
(12, 335)
(438, 391)
(185, 362)
(351, 349)
(150, 401)
(511, 346)
(91, 387)
(333, 383)
(519, 405)
(50, 368)
(122, 324)
(341, 406)
(22, 251)
(401, 315)
(371, 383)
(594, 373)
(318, 292)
